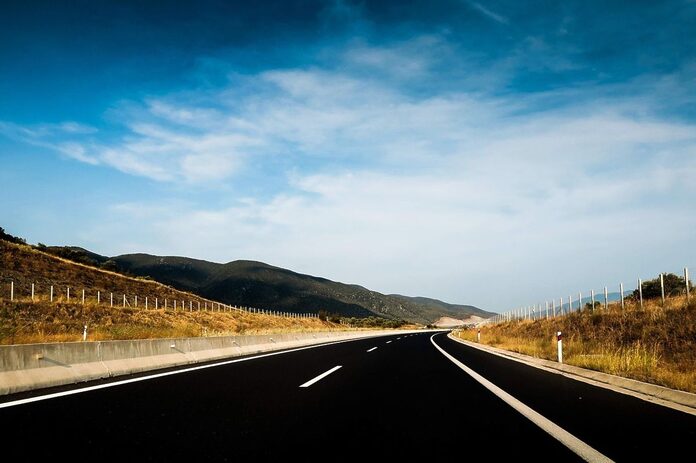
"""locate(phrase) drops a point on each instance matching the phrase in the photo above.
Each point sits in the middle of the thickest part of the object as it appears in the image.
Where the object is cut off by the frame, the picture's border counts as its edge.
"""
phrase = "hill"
(28, 319)
(244, 282)
(256, 284)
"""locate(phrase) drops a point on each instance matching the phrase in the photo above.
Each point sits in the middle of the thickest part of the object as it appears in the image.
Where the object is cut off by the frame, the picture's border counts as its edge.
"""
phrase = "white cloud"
(553, 204)
(446, 194)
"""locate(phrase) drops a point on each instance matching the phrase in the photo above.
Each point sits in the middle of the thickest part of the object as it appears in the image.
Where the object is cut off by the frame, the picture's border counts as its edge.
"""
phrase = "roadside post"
(559, 339)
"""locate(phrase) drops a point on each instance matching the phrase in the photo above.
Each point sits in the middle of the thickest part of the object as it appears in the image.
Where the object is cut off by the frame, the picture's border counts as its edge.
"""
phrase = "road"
(393, 396)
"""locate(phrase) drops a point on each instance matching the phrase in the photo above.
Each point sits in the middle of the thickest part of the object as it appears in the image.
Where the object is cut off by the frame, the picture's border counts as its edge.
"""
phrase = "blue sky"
(492, 153)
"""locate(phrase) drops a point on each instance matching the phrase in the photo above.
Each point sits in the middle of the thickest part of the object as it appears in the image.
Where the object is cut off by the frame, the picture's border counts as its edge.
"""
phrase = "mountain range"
(256, 284)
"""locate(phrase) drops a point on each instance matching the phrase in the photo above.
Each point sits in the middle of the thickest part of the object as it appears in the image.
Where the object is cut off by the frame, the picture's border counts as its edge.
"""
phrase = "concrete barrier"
(34, 366)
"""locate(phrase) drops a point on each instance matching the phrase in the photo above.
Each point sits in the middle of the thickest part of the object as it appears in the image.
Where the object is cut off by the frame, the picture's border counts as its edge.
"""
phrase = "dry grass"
(26, 321)
(656, 344)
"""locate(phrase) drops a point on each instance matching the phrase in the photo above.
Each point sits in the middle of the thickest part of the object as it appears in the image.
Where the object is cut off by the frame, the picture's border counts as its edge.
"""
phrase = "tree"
(597, 305)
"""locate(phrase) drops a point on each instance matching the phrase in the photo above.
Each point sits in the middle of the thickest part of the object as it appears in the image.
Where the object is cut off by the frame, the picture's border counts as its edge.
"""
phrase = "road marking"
(398, 338)
(320, 377)
(577, 446)
(161, 375)
(388, 342)
(370, 350)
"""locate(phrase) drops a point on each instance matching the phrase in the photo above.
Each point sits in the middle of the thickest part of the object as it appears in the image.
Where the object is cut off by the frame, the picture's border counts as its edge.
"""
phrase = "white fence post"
(145, 302)
(84, 333)
(32, 292)
(662, 287)
(68, 294)
(51, 293)
(136, 301)
(124, 300)
(98, 297)
(579, 301)
(112, 299)
(156, 301)
(559, 339)
(83, 297)
(593, 299)
(560, 306)
(606, 298)
(11, 290)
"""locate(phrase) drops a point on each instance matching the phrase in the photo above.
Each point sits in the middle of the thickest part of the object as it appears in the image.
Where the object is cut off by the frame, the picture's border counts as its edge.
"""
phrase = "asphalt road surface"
(389, 397)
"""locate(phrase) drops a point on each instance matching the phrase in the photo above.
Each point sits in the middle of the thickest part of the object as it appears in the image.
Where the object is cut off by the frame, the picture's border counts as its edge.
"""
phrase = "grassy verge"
(27, 322)
(655, 344)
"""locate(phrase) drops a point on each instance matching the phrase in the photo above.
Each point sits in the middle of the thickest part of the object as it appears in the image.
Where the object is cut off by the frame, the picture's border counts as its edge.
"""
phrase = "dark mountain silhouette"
(255, 284)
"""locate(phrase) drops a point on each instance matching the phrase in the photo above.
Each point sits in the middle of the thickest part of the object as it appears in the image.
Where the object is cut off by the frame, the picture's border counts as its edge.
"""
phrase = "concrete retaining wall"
(34, 366)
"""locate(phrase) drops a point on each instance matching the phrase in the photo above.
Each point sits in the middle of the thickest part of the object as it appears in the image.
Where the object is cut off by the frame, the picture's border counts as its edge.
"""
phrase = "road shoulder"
(671, 398)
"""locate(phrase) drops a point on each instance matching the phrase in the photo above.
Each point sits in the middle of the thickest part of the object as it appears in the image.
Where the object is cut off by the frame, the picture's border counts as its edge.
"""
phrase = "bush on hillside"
(12, 239)
(674, 286)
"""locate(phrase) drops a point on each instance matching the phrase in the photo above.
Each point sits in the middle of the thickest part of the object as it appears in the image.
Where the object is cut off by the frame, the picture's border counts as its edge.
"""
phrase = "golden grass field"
(26, 321)
(655, 344)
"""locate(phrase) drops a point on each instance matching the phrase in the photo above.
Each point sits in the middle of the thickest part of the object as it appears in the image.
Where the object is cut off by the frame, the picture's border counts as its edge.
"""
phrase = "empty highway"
(389, 397)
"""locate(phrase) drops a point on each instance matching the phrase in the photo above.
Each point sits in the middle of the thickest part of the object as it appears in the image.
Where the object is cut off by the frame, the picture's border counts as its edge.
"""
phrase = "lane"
(404, 400)
(622, 427)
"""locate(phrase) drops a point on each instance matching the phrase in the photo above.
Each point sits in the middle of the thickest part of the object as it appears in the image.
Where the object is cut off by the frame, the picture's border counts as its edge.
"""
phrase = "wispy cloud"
(488, 13)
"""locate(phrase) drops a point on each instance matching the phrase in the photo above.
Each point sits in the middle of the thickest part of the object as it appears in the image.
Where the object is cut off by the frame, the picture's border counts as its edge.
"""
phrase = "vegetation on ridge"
(656, 344)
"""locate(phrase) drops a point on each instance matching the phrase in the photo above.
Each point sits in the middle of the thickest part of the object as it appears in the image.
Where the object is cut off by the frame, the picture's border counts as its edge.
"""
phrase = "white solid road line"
(370, 350)
(578, 447)
(161, 375)
(320, 377)
(388, 342)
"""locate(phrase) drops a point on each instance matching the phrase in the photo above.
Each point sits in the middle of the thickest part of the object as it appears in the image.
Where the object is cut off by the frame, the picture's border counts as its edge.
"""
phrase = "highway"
(394, 396)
